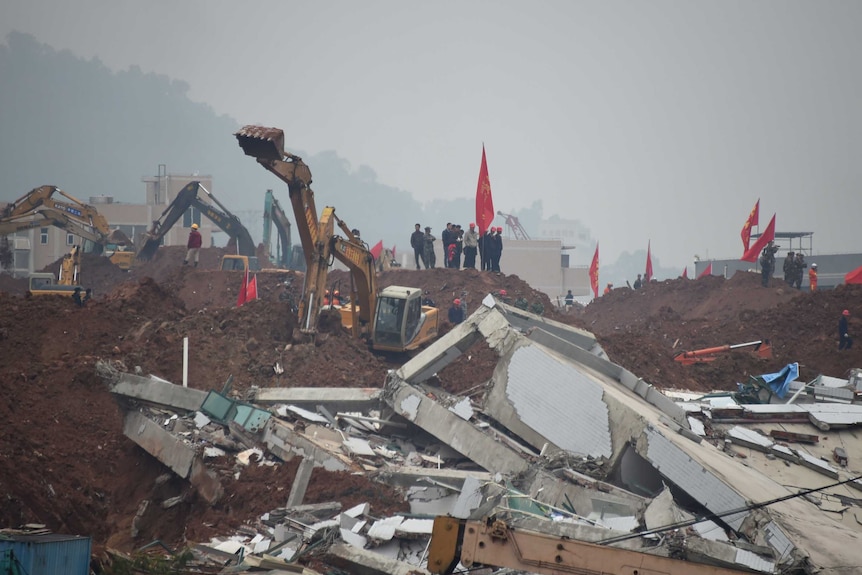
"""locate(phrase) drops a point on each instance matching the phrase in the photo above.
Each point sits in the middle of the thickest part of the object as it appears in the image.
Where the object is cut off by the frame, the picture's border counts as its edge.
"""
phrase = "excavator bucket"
(261, 142)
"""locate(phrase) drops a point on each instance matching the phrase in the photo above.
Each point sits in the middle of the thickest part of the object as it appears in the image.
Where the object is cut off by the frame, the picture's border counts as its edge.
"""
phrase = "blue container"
(48, 554)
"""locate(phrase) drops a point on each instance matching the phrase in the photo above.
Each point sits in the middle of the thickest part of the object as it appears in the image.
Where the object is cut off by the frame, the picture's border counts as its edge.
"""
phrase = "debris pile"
(84, 452)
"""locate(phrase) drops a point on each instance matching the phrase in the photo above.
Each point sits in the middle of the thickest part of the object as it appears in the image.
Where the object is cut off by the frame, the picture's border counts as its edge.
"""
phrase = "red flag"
(753, 220)
(685, 273)
(251, 288)
(706, 272)
(648, 273)
(243, 291)
(393, 252)
(484, 201)
(377, 250)
(767, 236)
(594, 272)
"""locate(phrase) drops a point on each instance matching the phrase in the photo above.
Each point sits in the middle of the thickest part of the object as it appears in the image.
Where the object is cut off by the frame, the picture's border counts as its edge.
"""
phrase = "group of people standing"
(793, 266)
(457, 243)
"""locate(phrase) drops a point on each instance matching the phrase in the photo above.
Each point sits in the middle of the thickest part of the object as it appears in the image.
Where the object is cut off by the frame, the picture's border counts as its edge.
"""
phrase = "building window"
(43, 236)
(70, 239)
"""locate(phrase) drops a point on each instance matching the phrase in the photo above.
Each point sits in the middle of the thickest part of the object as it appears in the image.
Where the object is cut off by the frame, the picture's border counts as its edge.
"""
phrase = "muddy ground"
(64, 461)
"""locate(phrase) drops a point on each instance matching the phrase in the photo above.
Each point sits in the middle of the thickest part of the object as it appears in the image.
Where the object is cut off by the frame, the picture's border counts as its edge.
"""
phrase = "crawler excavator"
(40, 208)
(189, 197)
(393, 319)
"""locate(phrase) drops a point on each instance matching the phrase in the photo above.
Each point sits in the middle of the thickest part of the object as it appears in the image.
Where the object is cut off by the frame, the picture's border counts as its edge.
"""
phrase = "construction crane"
(515, 226)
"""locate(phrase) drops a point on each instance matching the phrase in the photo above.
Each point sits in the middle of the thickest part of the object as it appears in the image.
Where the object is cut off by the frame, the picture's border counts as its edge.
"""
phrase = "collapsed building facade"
(559, 440)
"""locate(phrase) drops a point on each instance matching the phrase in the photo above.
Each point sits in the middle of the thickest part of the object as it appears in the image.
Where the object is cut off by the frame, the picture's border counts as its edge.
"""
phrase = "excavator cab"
(401, 322)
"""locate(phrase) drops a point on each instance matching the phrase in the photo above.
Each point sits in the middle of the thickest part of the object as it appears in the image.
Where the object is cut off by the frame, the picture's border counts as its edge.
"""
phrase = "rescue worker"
(570, 299)
(426, 299)
(336, 298)
(471, 245)
(798, 265)
(446, 238)
(486, 248)
(456, 312)
(608, 289)
(788, 268)
(76, 297)
(428, 246)
(327, 298)
(812, 277)
(767, 262)
(193, 245)
(638, 282)
(498, 250)
(417, 242)
(458, 240)
(844, 339)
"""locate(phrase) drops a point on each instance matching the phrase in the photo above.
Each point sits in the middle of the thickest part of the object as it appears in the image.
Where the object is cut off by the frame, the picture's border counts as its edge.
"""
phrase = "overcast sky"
(645, 120)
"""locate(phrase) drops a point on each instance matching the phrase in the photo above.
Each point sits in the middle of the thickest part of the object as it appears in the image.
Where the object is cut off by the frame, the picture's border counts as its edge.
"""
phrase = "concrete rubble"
(563, 441)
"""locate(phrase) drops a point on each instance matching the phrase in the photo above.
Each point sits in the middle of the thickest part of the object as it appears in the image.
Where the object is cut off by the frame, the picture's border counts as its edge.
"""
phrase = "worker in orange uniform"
(812, 277)
(608, 289)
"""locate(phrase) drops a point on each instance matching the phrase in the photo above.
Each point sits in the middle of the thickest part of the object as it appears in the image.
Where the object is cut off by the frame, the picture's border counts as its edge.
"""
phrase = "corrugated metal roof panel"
(50, 554)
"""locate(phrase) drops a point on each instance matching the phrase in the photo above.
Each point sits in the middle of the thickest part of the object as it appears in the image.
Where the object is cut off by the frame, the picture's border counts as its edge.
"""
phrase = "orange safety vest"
(812, 279)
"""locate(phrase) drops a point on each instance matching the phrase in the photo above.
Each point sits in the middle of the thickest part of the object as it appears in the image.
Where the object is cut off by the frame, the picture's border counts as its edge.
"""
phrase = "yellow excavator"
(41, 208)
(393, 319)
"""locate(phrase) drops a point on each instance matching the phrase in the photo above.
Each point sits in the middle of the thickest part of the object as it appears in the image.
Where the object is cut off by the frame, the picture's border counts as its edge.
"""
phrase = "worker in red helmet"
(844, 339)
(471, 246)
(456, 312)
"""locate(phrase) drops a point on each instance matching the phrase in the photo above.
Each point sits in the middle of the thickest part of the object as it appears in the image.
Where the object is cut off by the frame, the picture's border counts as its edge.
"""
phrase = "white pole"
(185, 361)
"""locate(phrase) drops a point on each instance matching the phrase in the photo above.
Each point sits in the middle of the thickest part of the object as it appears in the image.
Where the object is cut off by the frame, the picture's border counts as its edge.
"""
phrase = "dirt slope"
(65, 462)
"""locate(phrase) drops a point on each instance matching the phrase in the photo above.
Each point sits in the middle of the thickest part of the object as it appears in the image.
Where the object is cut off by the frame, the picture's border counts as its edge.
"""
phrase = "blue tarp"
(780, 381)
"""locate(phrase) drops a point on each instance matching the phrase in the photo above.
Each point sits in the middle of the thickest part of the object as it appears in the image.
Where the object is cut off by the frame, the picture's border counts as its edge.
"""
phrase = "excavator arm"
(266, 145)
(273, 215)
(39, 208)
(493, 542)
(187, 198)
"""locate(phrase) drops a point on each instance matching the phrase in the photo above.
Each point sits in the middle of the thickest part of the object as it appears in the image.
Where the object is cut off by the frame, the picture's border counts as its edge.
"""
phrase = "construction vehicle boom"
(41, 208)
(495, 543)
(761, 348)
(188, 198)
(273, 215)
(393, 320)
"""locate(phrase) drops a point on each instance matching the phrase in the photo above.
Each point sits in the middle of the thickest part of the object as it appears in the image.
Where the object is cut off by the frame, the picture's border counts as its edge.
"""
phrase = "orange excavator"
(761, 348)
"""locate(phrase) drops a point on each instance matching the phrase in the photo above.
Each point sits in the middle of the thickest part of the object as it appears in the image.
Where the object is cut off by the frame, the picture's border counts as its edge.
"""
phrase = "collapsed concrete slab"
(334, 399)
(285, 443)
(181, 458)
(361, 562)
(558, 394)
(158, 392)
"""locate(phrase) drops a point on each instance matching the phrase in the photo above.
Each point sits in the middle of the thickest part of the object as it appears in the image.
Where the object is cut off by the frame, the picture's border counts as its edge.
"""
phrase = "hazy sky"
(646, 120)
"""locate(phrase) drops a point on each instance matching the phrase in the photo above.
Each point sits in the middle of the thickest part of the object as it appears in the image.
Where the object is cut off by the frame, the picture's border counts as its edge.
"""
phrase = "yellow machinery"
(393, 320)
(41, 208)
(493, 542)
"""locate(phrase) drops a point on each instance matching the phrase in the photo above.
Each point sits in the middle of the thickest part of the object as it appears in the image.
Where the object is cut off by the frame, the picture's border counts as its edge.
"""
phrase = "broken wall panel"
(543, 399)
(181, 458)
(703, 486)
(412, 404)
(158, 392)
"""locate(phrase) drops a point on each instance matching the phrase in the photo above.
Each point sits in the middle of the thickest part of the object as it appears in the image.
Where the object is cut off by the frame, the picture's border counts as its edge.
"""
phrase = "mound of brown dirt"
(642, 330)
